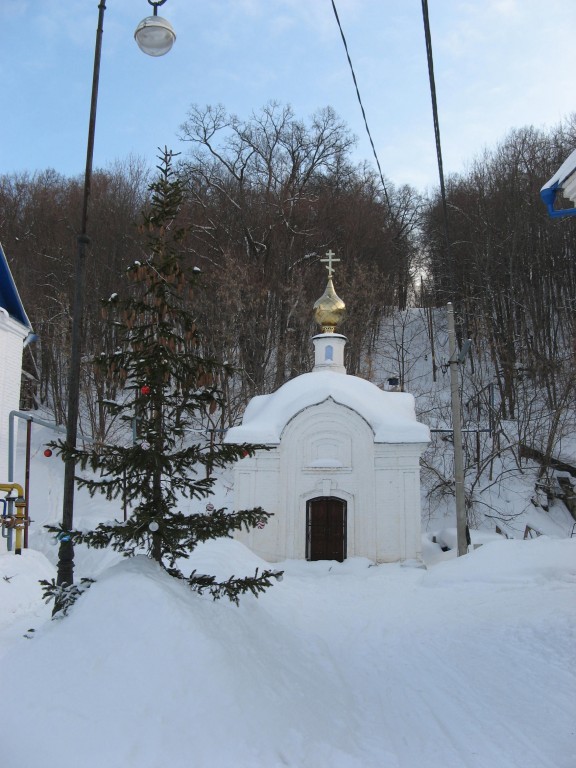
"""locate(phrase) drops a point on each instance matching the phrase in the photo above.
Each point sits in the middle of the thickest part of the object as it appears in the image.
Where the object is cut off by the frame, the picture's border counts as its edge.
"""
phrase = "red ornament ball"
(145, 390)
(47, 453)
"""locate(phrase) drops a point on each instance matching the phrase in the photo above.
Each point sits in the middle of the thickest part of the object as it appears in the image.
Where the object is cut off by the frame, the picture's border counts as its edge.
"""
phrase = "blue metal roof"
(554, 185)
(9, 298)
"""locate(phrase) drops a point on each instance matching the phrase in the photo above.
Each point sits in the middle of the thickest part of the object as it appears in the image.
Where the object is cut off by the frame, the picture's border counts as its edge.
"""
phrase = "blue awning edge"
(563, 180)
(9, 297)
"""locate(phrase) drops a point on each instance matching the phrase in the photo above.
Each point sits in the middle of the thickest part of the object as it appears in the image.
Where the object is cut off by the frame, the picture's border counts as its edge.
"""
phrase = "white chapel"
(341, 473)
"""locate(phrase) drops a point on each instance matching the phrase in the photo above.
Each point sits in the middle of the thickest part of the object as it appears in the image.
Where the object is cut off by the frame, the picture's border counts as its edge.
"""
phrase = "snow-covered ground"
(470, 663)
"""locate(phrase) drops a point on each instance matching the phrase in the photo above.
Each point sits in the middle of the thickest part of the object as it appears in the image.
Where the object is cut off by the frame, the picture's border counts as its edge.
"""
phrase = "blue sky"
(499, 64)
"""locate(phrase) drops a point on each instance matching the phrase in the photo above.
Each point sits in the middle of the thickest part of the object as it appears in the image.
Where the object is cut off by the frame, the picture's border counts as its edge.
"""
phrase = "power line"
(361, 105)
(430, 59)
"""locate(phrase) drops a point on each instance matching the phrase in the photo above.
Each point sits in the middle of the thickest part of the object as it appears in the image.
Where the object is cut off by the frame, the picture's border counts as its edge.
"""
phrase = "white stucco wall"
(328, 449)
(12, 335)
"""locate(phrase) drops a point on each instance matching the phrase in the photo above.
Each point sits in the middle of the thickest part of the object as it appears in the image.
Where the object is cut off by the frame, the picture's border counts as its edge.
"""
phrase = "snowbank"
(341, 665)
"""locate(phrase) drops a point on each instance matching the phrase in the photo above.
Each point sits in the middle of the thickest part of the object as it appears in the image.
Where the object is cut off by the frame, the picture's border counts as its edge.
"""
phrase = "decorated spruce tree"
(168, 388)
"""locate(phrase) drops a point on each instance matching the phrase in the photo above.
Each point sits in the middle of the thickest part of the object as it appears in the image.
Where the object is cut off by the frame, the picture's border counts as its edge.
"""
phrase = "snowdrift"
(338, 666)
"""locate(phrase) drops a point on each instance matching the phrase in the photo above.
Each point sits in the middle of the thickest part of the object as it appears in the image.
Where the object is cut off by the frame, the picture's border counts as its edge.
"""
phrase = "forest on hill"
(265, 198)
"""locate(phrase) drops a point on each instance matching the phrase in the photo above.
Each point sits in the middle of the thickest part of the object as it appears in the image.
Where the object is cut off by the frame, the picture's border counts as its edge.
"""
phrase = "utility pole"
(455, 359)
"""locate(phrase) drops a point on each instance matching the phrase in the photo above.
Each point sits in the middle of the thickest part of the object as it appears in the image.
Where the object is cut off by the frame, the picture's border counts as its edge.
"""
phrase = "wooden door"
(326, 529)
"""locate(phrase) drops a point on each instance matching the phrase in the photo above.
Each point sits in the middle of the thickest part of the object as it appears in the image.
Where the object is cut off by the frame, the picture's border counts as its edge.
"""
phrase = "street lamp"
(155, 37)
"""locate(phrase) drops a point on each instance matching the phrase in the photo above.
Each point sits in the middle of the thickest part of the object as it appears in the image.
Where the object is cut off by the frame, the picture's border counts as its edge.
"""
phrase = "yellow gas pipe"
(19, 520)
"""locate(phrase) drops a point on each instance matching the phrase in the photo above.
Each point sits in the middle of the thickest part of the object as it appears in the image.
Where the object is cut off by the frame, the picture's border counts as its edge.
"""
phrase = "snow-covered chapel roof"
(391, 415)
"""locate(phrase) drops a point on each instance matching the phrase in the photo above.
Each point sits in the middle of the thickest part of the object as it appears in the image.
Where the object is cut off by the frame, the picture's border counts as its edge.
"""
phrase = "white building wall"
(256, 485)
(12, 335)
(397, 478)
(388, 516)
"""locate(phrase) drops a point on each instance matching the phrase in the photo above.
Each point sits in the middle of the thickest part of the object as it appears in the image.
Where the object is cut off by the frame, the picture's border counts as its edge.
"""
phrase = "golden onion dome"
(329, 310)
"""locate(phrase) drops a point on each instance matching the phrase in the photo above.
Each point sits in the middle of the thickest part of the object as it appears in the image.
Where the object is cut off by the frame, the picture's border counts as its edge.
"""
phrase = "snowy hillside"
(503, 487)
(469, 663)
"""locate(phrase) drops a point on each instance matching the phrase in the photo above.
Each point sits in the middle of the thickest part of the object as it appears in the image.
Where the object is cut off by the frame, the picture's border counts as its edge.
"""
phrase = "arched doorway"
(326, 529)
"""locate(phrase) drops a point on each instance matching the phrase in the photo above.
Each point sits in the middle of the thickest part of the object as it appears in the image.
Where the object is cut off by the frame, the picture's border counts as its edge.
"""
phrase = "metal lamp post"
(155, 37)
